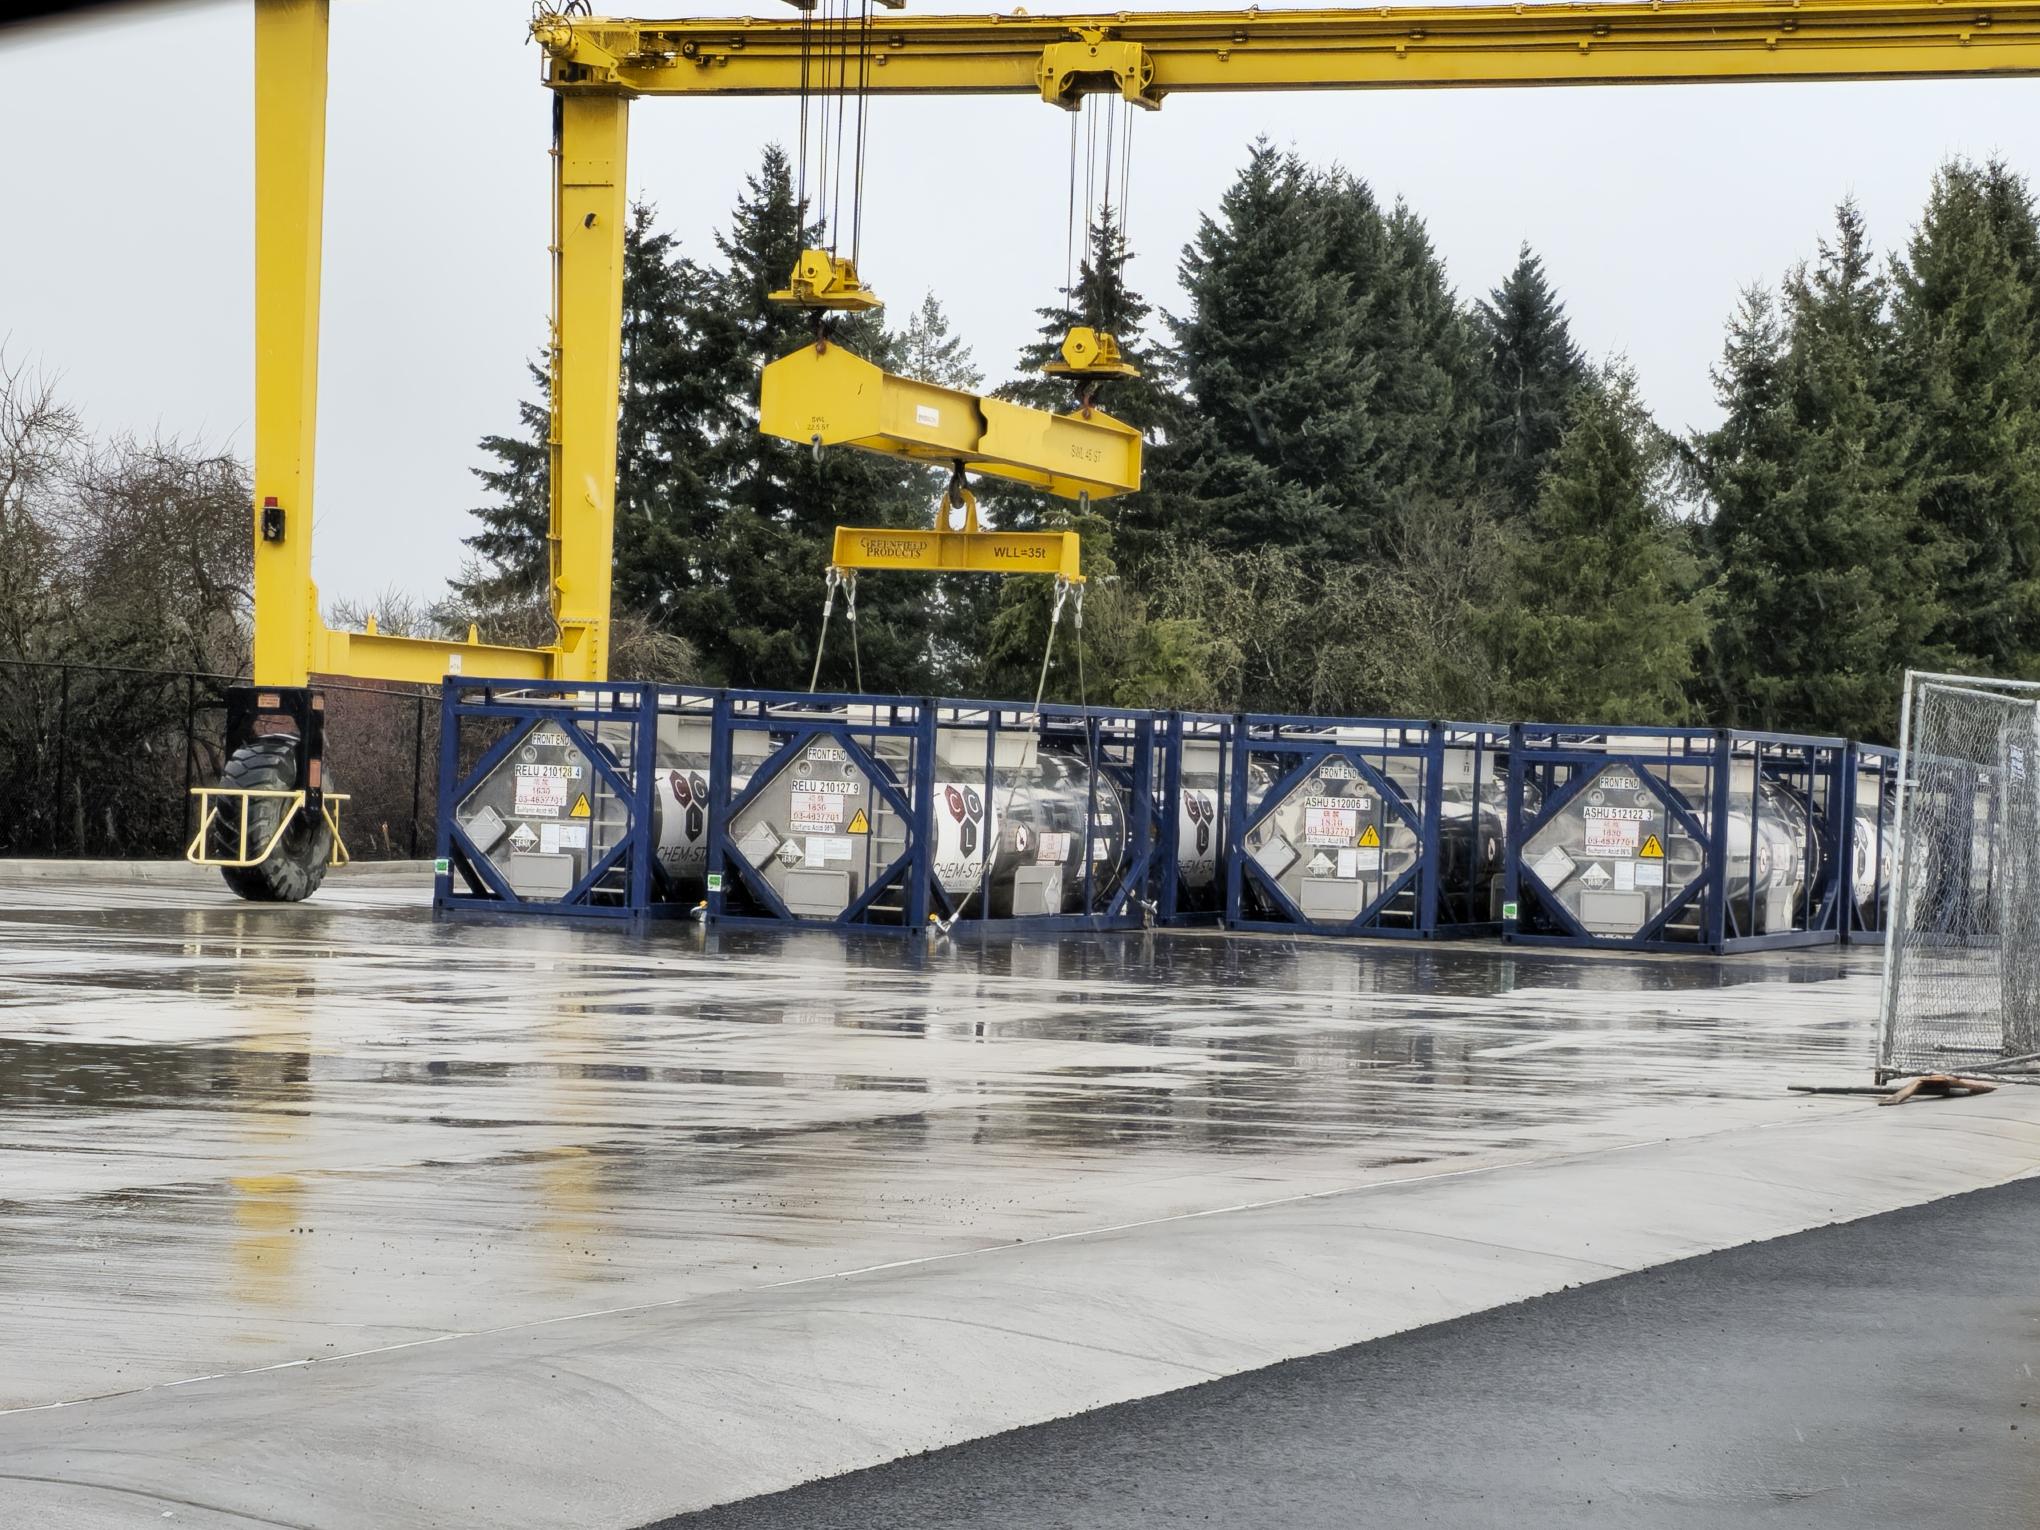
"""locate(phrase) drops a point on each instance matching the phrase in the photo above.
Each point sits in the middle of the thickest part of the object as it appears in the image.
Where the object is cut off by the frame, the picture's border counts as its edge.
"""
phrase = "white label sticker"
(1053, 847)
(573, 836)
(1367, 858)
(1349, 862)
(1330, 825)
(1650, 873)
(816, 812)
(1613, 837)
(453, 664)
(548, 839)
(924, 415)
(1625, 876)
(540, 795)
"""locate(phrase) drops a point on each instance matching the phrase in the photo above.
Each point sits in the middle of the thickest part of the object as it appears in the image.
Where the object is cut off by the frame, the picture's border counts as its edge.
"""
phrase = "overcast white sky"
(125, 265)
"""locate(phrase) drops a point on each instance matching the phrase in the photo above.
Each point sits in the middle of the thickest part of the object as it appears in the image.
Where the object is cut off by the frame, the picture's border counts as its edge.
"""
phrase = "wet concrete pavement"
(234, 1138)
(1849, 1378)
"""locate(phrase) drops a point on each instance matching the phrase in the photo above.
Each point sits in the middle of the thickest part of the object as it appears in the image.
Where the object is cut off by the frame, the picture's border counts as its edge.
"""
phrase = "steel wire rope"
(1090, 183)
(1070, 233)
(863, 118)
(807, 27)
(842, 111)
(983, 891)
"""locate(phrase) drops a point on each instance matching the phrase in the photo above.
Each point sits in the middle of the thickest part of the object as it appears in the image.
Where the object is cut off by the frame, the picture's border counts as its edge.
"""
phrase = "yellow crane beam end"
(425, 661)
(827, 396)
(960, 552)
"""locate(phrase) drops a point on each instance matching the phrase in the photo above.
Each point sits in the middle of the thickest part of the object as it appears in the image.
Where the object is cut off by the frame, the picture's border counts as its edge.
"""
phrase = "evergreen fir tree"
(660, 405)
(1604, 616)
(510, 564)
(1333, 374)
(1102, 298)
(1426, 354)
(1968, 375)
(1533, 370)
(1821, 599)
(927, 349)
(1280, 387)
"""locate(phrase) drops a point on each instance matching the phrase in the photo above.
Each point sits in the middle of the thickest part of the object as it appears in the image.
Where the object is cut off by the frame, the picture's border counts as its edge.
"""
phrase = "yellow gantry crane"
(595, 67)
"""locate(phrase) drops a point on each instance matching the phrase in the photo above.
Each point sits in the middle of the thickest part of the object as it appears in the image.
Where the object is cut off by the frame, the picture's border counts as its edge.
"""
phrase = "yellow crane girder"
(1146, 56)
(597, 65)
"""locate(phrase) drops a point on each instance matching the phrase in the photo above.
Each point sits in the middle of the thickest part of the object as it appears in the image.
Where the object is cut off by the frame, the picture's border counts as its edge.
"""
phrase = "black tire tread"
(294, 872)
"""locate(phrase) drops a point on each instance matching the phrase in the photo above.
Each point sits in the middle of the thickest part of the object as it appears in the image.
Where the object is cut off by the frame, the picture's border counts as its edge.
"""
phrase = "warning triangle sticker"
(1652, 850)
(859, 824)
(1369, 837)
(580, 807)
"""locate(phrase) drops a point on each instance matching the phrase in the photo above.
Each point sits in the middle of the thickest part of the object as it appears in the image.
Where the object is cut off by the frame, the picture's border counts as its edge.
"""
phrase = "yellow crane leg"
(589, 156)
(827, 396)
(290, 179)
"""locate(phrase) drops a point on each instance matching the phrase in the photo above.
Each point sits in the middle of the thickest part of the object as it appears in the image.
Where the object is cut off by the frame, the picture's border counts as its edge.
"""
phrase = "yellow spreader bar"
(827, 396)
(964, 552)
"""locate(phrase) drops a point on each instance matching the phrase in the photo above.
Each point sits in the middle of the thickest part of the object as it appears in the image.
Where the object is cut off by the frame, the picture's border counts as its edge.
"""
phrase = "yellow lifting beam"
(966, 550)
(823, 395)
(1147, 56)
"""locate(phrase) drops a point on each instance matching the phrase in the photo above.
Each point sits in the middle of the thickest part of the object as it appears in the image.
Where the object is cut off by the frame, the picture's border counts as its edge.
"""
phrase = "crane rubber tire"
(297, 866)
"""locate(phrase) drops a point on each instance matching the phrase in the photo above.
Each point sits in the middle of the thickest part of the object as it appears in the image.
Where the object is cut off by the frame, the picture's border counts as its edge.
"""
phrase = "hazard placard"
(580, 807)
(1652, 850)
(858, 824)
(1369, 838)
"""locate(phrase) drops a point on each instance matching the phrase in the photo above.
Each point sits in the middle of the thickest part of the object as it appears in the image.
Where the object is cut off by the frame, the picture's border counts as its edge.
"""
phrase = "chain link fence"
(1962, 973)
(98, 760)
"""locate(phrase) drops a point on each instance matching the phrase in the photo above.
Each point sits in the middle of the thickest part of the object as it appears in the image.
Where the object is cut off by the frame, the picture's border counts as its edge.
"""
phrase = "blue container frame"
(1267, 733)
(1538, 751)
(890, 717)
(1881, 761)
(1178, 730)
(1117, 741)
(465, 881)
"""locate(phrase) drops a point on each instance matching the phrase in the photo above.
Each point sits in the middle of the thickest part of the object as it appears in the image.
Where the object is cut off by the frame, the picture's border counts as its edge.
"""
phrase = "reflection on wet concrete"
(232, 1136)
